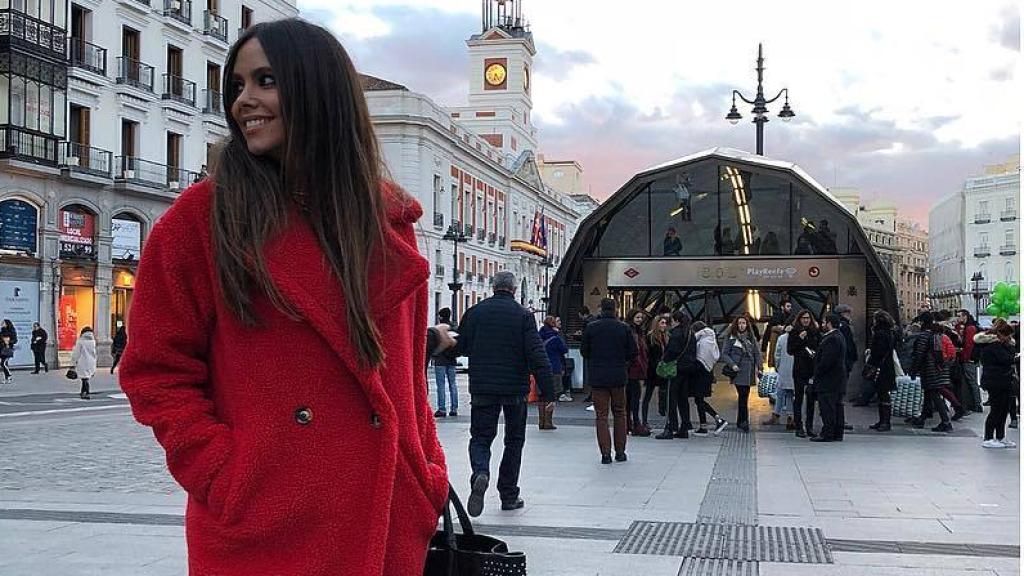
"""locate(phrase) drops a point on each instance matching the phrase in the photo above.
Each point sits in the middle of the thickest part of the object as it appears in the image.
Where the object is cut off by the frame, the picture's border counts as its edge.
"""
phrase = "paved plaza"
(84, 490)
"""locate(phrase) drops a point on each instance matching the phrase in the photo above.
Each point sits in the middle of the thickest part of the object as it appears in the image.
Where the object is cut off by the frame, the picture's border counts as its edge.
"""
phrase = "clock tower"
(500, 74)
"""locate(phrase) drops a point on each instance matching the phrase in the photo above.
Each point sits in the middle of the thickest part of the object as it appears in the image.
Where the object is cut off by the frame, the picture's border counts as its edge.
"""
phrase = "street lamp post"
(759, 102)
(547, 282)
(455, 235)
(977, 279)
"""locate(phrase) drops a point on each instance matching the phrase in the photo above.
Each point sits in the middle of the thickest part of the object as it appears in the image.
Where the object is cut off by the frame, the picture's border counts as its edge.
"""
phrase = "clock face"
(526, 79)
(495, 74)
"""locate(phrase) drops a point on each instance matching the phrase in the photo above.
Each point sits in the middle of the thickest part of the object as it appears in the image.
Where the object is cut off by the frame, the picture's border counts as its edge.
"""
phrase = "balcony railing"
(212, 102)
(982, 218)
(134, 73)
(86, 159)
(215, 25)
(1007, 249)
(179, 89)
(180, 10)
(88, 56)
(179, 178)
(481, 234)
(439, 270)
(1008, 215)
(501, 241)
(480, 278)
(492, 239)
(20, 28)
(469, 230)
(438, 220)
(26, 145)
(982, 251)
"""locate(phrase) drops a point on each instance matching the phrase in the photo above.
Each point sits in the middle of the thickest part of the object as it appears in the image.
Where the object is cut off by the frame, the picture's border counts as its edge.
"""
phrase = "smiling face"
(638, 318)
(257, 107)
(663, 324)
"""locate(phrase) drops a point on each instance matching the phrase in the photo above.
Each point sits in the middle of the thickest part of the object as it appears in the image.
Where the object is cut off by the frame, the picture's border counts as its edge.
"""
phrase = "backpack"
(945, 352)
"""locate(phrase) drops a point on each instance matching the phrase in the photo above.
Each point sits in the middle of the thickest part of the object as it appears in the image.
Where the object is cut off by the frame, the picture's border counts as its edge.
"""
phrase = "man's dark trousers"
(832, 414)
(484, 427)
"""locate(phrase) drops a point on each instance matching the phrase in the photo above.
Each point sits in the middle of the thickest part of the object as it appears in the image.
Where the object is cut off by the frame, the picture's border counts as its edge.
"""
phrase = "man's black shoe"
(682, 434)
(820, 439)
(621, 457)
(475, 505)
(847, 426)
(606, 459)
(944, 427)
(513, 504)
(957, 415)
(666, 435)
(801, 434)
(440, 414)
(745, 426)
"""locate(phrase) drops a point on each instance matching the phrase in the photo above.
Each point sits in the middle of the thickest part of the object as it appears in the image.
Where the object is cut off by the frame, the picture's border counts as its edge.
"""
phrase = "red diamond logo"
(632, 272)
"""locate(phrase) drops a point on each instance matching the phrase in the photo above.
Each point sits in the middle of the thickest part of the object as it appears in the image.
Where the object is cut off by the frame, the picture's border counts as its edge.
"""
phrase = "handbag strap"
(460, 511)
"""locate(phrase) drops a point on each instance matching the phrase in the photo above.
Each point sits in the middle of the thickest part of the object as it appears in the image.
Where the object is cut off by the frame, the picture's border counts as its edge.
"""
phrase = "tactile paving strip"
(936, 548)
(717, 567)
(727, 542)
(731, 495)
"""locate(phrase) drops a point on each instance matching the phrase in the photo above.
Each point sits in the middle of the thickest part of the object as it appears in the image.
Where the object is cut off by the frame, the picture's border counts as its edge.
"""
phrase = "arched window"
(126, 230)
(19, 226)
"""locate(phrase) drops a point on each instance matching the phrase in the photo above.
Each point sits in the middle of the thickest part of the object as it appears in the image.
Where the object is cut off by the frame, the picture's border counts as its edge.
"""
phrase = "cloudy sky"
(900, 99)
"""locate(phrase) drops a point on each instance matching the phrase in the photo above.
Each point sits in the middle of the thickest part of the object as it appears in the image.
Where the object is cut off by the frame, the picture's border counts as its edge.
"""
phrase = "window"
(455, 201)
(174, 61)
(246, 17)
(173, 151)
(130, 43)
(79, 125)
(437, 190)
(1009, 236)
(129, 138)
(1011, 202)
(213, 76)
(983, 239)
(79, 23)
(1008, 273)
(983, 207)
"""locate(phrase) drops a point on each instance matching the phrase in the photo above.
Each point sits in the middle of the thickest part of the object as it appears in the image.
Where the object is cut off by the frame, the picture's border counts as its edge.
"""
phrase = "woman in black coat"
(39, 338)
(998, 378)
(118, 345)
(883, 344)
(9, 337)
(927, 363)
(802, 346)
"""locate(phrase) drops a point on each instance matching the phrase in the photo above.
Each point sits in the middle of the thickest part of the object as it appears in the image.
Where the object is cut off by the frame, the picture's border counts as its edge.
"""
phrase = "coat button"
(303, 415)
(375, 420)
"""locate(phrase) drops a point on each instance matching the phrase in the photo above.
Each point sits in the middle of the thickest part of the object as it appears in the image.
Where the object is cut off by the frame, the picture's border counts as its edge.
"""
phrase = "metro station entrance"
(718, 306)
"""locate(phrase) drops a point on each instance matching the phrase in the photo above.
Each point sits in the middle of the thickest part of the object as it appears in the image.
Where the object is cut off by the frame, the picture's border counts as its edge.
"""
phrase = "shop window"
(77, 227)
(127, 238)
(19, 226)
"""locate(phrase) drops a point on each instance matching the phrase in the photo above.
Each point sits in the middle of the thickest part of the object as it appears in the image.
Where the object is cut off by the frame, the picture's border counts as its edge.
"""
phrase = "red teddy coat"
(296, 458)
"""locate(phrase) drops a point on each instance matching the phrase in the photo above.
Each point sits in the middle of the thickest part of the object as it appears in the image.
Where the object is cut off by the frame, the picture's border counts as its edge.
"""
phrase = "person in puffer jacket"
(704, 377)
(927, 363)
(786, 388)
(556, 349)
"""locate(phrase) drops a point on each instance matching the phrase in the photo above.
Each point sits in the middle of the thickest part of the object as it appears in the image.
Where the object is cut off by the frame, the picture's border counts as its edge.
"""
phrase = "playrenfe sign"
(747, 273)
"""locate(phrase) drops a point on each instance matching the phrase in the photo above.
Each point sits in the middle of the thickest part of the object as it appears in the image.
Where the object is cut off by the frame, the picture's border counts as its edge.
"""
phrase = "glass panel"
(45, 109)
(31, 105)
(754, 219)
(684, 212)
(818, 226)
(32, 8)
(59, 13)
(17, 101)
(5, 87)
(58, 113)
(628, 231)
(44, 10)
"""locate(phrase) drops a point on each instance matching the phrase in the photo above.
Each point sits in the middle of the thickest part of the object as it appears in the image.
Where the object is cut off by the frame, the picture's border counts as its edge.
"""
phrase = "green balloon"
(1015, 292)
(1012, 308)
(997, 298)
(1001, 288)
(993, 310)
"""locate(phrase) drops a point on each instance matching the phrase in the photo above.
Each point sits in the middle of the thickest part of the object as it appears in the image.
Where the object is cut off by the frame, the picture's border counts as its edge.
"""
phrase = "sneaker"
(944, 427)
(590, 408)
(512, 504)
(565, 398)
(1007, 443)
(440, 414)
(475, 505)
(992, 444)
(453, 413)
(720, 425)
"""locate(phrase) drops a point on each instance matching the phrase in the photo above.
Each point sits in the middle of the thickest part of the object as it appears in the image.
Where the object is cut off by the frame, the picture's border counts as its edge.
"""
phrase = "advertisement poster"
(18, 226)
(19, 302)
(127, 239)
(77, 232)
(68, 319)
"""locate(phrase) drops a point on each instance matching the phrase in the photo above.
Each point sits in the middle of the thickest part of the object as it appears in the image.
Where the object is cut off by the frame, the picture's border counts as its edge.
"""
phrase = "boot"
(771, 421)
(884, 417)
(547, 419)
(881, 417)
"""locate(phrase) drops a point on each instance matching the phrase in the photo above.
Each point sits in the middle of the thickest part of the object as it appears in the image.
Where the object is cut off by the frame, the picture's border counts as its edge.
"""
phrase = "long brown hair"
(331, 166)
(734, 326)
(797, 327)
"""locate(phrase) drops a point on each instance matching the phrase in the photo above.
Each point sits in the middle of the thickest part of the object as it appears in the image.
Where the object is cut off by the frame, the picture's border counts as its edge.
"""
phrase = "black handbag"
(469, 553)
(729, 372)
(870, 373)
(71, 374)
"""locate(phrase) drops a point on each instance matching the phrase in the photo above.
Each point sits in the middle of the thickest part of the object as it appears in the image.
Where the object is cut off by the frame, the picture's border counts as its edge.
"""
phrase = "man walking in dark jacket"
(500, 338)
(608, 347)
(830, 374)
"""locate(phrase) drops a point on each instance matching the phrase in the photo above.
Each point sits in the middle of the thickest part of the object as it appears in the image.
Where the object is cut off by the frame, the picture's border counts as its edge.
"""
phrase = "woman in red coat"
(279, 332)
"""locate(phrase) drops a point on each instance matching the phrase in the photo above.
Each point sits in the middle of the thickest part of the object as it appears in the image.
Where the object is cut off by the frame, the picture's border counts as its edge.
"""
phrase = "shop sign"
(77, 233)
(127, 235)
(19, 302)
(18, 225)
(748, 273)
